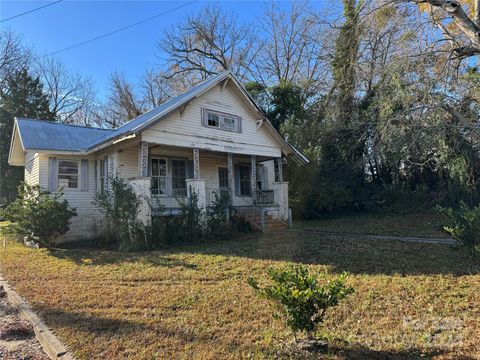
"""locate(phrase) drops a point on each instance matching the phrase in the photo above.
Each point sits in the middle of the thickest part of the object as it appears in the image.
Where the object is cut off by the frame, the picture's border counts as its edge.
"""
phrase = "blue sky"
(131, 51)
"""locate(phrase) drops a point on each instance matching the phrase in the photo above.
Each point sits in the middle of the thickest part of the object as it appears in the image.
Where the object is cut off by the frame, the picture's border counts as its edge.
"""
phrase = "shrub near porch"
(194, 302)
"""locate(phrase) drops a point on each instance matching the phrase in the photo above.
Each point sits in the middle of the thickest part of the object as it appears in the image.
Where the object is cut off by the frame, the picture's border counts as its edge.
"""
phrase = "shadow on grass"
(131, 335)
(352, 254)
(96, 257)
(364, 353)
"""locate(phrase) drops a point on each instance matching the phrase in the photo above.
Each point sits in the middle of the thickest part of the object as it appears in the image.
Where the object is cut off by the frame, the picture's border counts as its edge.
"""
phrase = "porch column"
(280, 168)
(253, 173)
(231, 181)
(141, 186)
(196, 163)
(196, 185)
(280, 194)
(142, 159)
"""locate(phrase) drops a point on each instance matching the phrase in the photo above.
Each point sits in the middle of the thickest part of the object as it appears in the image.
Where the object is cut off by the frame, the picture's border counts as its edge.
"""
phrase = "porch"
(166, 175)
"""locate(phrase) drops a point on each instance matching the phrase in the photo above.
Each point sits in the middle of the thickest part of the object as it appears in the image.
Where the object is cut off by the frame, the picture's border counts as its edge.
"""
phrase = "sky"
(131, 51)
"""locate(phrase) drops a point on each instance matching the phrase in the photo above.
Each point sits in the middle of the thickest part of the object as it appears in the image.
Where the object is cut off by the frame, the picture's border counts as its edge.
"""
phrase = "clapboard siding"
(83, 225)
(185, 129)
(32, 167)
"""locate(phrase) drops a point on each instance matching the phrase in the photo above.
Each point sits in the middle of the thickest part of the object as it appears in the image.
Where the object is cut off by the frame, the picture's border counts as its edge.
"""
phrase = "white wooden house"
(209, 139)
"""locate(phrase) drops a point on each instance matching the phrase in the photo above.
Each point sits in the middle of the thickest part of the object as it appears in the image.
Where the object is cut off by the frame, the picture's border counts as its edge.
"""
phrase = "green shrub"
(38, 214)
(301, 300)
(192, 219)
(463, 225)
(120, 207)
(218, 216)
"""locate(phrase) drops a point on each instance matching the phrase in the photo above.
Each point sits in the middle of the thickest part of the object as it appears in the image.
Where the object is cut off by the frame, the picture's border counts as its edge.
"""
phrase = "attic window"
(221, 121)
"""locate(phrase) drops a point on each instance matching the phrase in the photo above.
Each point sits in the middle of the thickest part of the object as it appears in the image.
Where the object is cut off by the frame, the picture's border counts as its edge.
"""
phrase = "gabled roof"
(51, 136)
(147, 119)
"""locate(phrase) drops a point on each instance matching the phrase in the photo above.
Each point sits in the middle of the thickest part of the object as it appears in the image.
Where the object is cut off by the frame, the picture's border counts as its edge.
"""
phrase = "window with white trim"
(68, 174)
(159, 176)
(221, 121)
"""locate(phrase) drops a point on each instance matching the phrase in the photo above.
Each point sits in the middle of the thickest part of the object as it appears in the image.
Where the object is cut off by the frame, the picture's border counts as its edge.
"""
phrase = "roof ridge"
(65, 124)
(176, 96)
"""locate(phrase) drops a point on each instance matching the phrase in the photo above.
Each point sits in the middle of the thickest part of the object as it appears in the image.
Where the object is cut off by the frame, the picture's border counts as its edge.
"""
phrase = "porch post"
(196, 163)
(280, 169)
(253, 172)
(142, 159)
(196, 185)
(230, 176)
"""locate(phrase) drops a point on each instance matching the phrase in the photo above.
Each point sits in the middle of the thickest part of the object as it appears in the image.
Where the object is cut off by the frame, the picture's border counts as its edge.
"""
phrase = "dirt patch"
(17, 339)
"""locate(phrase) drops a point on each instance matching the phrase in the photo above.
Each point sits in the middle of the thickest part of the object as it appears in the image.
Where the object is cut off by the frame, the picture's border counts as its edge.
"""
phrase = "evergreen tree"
(22, 96)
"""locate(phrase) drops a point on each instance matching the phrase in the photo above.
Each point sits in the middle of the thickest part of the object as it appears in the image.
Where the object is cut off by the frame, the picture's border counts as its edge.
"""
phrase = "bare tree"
(71, 95)
(13, 55)
(156, 88)
(122, 105)
(207, 43)
(295, 50)
(464, 35)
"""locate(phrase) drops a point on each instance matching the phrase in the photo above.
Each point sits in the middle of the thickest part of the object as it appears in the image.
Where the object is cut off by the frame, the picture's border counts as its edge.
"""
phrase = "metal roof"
(49, 135)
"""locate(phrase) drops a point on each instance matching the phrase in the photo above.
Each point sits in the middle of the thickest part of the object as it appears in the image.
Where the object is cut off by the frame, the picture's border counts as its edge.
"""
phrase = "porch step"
(271, 224)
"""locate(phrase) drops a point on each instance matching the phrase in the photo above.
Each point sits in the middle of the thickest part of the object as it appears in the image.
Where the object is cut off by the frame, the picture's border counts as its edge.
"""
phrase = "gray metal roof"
(49, 135)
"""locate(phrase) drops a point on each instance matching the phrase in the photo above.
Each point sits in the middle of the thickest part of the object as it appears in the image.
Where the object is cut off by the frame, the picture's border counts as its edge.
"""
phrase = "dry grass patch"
(411, 300)
(423, 224)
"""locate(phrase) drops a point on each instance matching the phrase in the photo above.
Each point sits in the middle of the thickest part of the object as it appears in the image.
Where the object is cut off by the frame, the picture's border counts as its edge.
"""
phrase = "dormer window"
(221, 121)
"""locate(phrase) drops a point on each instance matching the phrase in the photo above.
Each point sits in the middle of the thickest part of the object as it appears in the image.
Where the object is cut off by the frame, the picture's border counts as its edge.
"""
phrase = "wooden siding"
(84, 225)
(186, 129)
(32, 167)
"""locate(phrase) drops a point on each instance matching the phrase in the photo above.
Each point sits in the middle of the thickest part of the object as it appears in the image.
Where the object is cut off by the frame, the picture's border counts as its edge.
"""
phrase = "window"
(179, 175)
(213, 120)
(222, 121)
(245, 187)
(223, 178)
(159, 176)
(68, 174)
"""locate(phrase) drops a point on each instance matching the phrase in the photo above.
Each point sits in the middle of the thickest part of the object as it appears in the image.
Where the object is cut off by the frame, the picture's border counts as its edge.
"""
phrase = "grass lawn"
(411, 301)
(411, 224)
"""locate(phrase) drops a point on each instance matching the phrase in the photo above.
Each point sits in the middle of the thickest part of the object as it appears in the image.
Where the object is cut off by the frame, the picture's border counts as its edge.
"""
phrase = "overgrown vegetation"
(38, 214)
(120, 207)
(123, 230)
(300, 298)
(463, 224)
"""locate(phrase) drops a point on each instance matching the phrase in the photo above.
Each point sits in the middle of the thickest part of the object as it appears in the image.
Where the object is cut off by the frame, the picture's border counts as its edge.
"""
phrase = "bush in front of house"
(38, 214)
(463, 225)
(300, 298)
(120, 206)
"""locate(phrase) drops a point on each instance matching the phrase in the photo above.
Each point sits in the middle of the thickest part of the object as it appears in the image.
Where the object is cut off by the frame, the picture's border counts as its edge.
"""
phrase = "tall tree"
(207, 43)
(13, 55)
(22, 96)
(71, 95)
(123, 104)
